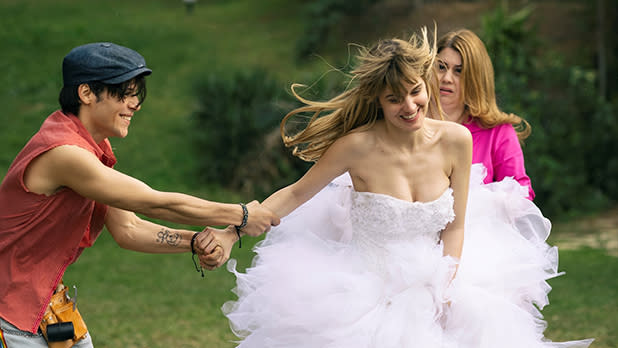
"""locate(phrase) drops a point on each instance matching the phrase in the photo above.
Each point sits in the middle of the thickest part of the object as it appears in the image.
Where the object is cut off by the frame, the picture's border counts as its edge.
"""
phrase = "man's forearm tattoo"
(165, 236)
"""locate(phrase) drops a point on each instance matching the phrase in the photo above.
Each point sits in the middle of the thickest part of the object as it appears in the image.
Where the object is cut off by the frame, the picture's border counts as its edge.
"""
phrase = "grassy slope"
(136, 300)
(180, 48)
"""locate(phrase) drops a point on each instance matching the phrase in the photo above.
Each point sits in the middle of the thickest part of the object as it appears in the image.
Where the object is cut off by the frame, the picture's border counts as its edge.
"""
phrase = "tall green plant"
(236, 132)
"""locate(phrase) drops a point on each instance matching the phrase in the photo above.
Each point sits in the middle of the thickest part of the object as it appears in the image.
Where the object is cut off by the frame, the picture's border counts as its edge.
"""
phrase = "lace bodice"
(379, 216)
(378, 220)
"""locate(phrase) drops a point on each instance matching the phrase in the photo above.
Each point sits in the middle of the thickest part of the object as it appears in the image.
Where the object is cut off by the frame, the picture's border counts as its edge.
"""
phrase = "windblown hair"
(69, 97)
(477, 82)
(388, 64)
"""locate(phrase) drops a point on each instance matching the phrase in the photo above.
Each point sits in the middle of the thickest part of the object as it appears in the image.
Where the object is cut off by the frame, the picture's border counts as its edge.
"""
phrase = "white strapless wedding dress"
(359, 270)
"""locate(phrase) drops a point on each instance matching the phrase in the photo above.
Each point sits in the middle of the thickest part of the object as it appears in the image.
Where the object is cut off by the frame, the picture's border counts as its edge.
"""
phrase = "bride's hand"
(223, 240)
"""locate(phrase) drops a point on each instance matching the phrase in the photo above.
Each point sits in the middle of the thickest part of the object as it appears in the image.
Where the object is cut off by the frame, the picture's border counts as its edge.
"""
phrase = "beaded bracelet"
(197, 267)
(245, 217)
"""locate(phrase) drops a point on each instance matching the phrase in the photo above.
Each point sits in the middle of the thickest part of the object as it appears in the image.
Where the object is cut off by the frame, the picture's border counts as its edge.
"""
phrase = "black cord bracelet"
(197, 267)
(245, 217)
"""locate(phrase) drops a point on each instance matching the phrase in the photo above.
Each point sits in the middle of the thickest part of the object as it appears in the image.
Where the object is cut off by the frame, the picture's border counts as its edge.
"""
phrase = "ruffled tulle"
(326, 278)
(505, 250)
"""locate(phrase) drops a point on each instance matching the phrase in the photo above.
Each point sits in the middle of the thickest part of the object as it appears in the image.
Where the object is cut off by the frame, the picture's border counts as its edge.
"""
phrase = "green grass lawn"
(584, 301)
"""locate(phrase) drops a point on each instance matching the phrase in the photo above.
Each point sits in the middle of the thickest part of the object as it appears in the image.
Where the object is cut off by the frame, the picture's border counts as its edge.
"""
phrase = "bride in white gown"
(374, 261)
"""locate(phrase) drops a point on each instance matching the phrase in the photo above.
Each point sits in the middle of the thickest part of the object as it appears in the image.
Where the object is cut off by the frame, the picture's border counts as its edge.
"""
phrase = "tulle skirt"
(309, 286)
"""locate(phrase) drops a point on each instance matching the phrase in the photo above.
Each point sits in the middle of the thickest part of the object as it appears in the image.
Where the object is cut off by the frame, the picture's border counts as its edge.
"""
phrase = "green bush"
(323, 16)
(237, 133)
(571, 153)
(237, 129)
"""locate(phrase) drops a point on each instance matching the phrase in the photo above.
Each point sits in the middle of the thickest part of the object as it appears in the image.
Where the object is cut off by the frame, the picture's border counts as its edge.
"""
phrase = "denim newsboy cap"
(103, 62)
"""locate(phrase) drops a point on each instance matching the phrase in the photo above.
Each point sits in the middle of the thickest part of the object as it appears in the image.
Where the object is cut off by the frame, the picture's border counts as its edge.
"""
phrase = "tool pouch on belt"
(62, 325)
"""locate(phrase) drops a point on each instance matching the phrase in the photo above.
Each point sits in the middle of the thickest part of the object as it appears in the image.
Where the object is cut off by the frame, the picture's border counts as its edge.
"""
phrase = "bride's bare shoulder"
(450, 133)
(357, 140)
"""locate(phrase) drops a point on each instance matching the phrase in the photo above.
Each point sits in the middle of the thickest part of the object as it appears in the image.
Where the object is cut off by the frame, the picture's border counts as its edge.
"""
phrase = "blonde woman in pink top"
(505, 253)
(468, 97)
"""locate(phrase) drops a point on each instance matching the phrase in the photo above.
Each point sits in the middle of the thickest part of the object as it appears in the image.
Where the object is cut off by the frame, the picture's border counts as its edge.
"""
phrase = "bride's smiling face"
(406, 111)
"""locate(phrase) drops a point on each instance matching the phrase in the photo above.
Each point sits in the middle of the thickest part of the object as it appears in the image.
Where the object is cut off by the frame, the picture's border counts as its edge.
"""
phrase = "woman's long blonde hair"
(477, 82)
(390, 63)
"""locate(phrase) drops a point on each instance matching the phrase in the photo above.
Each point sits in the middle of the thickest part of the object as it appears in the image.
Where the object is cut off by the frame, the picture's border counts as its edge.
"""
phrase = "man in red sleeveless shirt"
(61, 190)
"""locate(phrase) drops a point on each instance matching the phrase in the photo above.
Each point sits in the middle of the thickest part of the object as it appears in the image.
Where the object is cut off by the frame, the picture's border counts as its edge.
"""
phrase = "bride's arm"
(334, 162)
(459, 150)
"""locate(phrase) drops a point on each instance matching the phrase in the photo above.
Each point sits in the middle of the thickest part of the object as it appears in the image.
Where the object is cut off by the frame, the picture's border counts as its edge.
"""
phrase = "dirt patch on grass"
(599, 232)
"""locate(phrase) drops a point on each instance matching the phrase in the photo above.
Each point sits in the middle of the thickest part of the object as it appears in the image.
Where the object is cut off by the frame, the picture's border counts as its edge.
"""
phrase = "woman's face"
(449, 74)
(408, 111)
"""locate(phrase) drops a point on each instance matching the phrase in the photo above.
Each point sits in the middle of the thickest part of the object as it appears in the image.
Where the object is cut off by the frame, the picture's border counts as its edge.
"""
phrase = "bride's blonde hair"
(388, 64)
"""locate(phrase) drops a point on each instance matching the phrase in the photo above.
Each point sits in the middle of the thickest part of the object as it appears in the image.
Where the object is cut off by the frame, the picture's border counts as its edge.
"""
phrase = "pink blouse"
(500, 152)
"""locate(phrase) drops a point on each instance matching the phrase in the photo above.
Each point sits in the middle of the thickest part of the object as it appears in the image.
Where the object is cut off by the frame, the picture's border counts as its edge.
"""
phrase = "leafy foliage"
(323, 16)
(572, 150)
(238, 136)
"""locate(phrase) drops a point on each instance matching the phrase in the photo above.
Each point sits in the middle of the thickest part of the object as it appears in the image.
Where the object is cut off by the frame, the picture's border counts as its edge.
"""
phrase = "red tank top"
(41, 235)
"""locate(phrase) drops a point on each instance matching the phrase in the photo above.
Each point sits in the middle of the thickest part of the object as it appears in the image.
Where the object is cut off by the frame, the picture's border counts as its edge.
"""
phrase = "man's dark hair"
(70, 102)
